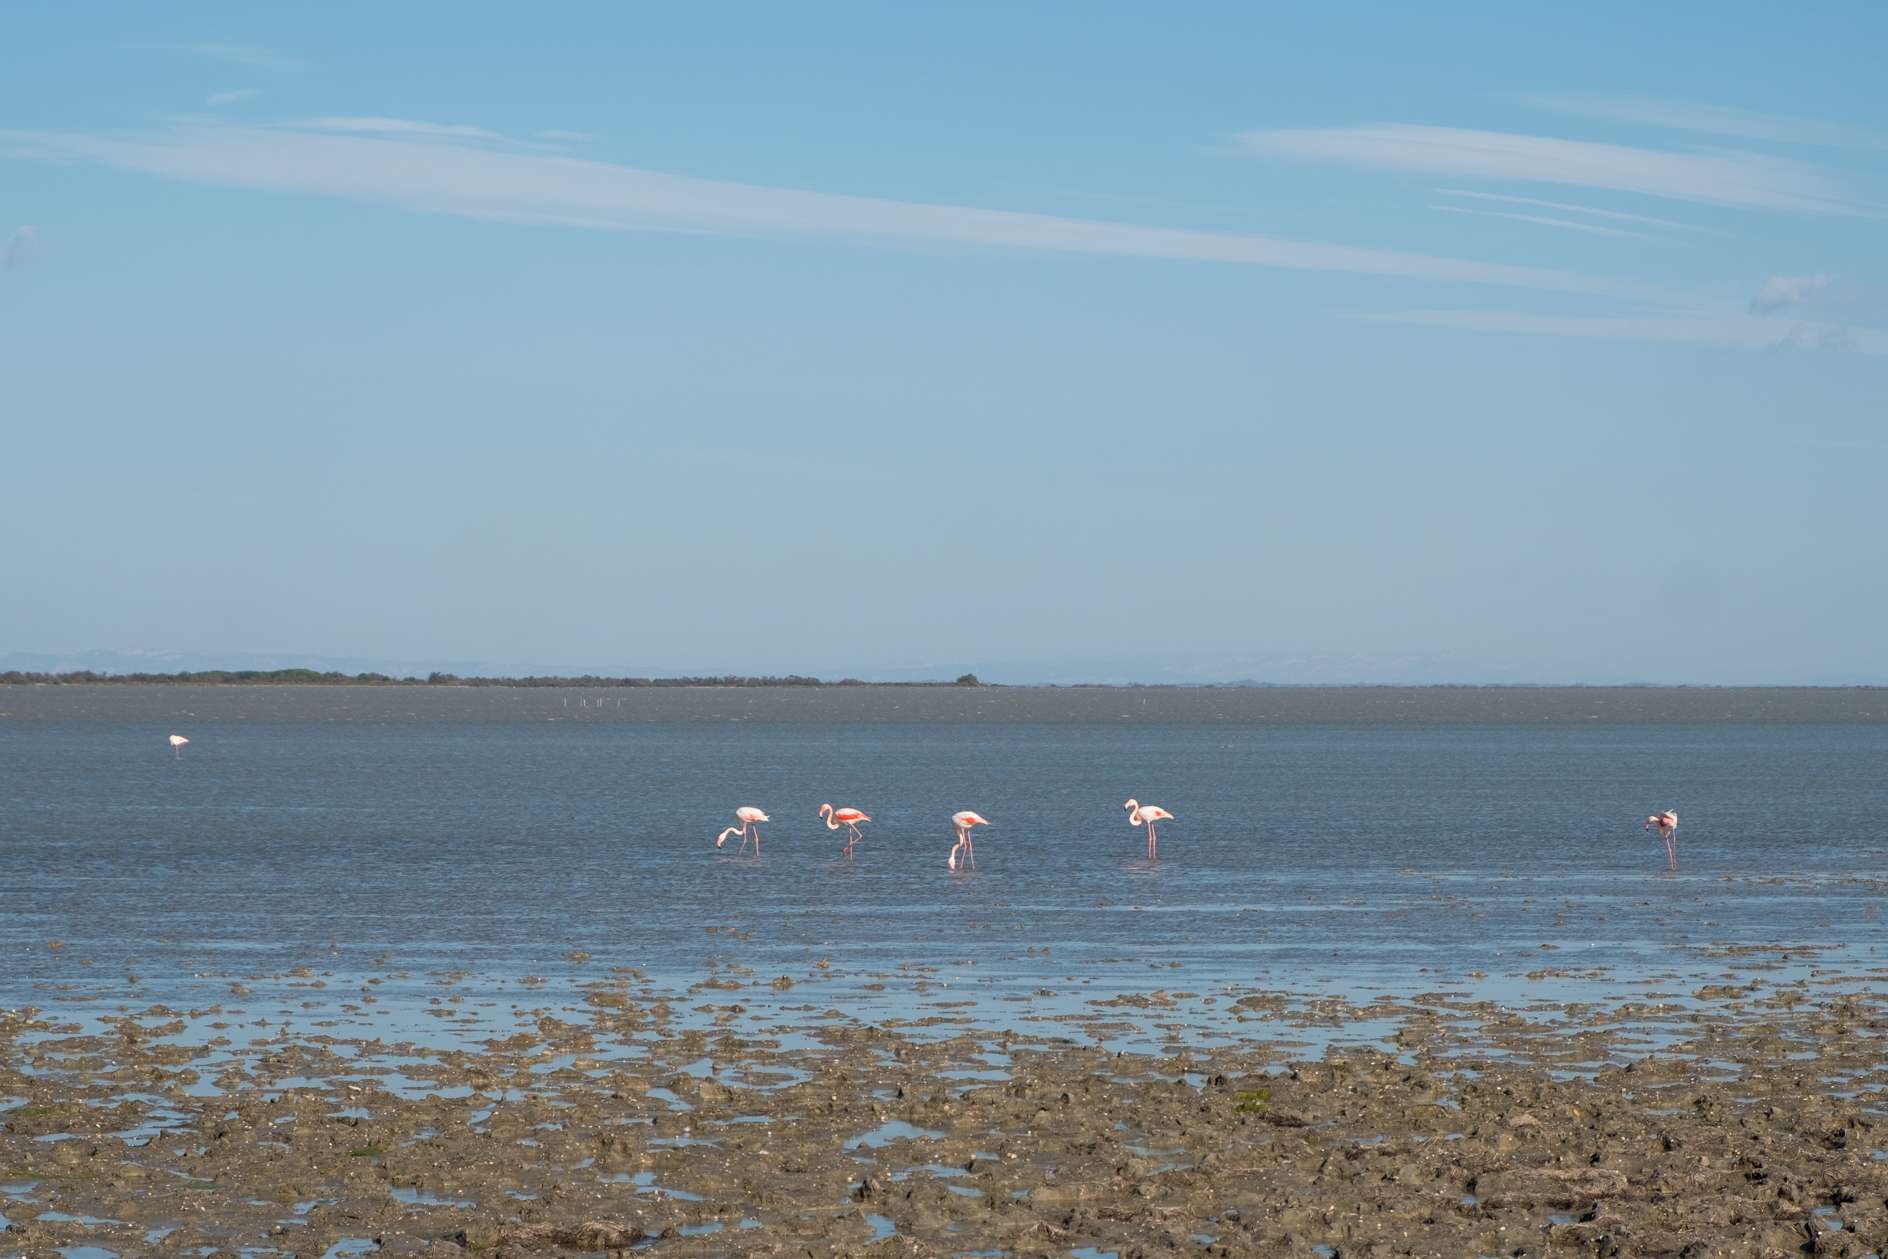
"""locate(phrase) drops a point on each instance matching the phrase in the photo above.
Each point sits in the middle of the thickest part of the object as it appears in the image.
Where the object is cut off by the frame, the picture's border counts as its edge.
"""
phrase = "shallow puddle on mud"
(889, 1131)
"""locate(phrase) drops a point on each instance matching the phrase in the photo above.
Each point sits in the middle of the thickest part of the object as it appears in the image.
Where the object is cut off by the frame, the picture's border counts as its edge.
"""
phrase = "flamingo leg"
(757, 841)
(1153, 843)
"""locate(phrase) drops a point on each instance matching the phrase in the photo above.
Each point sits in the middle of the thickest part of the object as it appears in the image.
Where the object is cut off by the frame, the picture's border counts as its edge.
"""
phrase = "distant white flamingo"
(747, 815)
(177, 742)
(1146, 815)
(848, 818)
(1666, 823)
(963, 822)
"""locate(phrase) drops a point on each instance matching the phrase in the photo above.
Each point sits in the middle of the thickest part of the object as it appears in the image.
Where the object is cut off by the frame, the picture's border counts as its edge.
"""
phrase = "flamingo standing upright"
(1666, 823)
(1146, 815)
(848, 818)
(177, 742)
(963, 822)
(747, 815)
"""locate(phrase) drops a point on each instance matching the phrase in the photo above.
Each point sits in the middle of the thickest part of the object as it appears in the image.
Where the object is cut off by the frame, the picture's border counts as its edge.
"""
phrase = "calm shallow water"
(1377, 839)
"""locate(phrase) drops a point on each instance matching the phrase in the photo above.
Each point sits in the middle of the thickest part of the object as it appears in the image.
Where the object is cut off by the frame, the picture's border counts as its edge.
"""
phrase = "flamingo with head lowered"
(1666, 823)
(963, 822)
(177, 742)
(1146, 815)
(848, 818)
(747, 815)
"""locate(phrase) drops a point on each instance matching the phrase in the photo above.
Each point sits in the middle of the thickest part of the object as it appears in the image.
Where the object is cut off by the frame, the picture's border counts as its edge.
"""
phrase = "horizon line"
(304, 676)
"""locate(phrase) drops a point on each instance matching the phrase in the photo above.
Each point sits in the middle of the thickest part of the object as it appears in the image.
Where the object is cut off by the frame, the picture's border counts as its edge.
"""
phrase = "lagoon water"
(1376, 839)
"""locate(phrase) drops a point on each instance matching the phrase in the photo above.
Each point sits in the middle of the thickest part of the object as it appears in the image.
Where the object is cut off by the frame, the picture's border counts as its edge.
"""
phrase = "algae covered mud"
(461, 972)
(1744, 1117)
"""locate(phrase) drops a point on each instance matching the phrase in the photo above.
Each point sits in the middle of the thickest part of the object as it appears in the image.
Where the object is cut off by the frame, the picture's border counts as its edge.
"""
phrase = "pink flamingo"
(848, 818)
(1146, 815)
(963, 822)
(177, 742)
(747, 815)
(1667, 826)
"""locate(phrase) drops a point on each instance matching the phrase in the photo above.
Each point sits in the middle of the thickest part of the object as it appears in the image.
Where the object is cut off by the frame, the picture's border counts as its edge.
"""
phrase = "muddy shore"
(1742, 1118)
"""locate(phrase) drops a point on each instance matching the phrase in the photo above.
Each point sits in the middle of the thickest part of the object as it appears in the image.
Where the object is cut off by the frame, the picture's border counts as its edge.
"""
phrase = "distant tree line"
(315, 677)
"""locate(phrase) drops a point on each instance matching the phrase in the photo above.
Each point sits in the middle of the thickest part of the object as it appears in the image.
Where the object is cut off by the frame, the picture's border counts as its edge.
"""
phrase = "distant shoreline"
(316, 677)
(319, 678)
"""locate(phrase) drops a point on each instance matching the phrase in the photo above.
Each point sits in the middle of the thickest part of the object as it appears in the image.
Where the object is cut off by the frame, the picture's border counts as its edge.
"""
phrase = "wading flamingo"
(1666, 824)
(747, 815)
(1146, 815)
(848, 818)
(963, 822)
(177, 742)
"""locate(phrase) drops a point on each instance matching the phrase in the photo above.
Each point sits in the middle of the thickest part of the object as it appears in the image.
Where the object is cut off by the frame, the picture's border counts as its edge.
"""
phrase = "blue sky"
(1368, 343)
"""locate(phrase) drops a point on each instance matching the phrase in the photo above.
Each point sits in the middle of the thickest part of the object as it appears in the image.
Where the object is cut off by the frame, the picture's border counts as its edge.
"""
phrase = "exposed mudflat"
(1739, 1118)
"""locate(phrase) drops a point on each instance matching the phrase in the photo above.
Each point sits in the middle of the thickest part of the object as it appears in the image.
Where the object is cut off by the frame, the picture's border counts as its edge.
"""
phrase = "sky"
(1343, 343)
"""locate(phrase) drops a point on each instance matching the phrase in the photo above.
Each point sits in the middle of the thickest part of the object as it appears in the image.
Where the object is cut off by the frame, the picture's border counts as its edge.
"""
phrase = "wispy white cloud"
(1717, 120)
(19, 247)
(1707, 328)
(219, 99)
(1824, 297)
(1747, 180)
(472, 172)
(565, 137)
(1617, 216)
(1785, 292)
(1541, 220)
(402, 128)
(446, 174)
